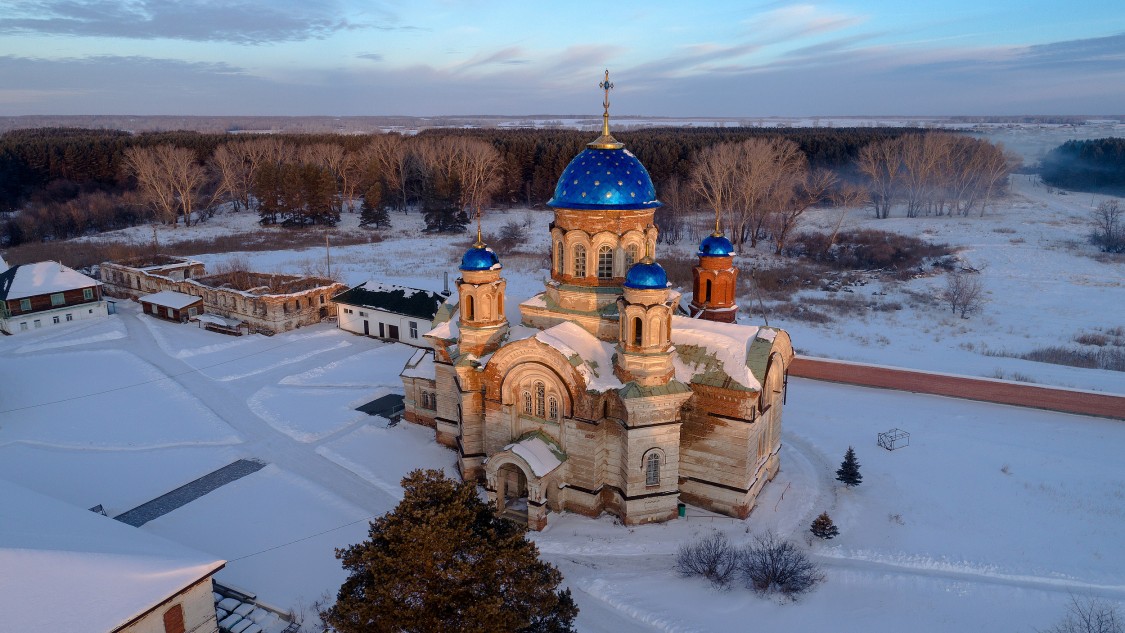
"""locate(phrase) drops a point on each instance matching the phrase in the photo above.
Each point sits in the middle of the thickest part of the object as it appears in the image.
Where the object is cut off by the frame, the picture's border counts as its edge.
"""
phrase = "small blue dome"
(646, 275)
(479, 258)
(605, 179)
(716, 246)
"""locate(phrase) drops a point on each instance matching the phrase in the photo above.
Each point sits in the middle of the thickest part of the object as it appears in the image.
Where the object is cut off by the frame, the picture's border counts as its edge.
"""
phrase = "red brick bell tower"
(714, 280)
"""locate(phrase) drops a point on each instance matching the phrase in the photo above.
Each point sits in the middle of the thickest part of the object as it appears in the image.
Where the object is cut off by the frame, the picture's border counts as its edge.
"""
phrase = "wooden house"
(172, 305)
(46, 294)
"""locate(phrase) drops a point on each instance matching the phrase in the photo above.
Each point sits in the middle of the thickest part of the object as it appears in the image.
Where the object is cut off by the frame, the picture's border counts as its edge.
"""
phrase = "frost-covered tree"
(443, 561)
(848, 473)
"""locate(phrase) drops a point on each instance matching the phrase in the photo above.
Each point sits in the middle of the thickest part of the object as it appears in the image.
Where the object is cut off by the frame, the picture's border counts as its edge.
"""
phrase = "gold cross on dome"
(607, 86)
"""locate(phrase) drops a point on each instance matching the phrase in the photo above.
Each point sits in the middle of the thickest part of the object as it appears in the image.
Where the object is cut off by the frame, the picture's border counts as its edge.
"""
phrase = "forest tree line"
(1090, 165)
(69, 182)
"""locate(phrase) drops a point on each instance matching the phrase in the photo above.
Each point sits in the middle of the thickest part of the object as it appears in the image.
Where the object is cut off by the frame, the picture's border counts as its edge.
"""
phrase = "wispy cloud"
(375, 57)
(238, 21)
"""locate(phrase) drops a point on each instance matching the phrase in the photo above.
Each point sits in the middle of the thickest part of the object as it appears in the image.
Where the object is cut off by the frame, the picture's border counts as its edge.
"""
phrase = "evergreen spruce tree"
(443, 561)
(374, 212)
(823, 527)
(849, 469)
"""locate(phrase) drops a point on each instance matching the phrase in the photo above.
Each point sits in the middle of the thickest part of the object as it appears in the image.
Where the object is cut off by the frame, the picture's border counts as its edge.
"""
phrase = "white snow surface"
(46, 277)
(68, 569)
(728, 342)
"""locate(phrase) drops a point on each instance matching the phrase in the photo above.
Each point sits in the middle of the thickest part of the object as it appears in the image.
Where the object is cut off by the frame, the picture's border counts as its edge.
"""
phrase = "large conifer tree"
(849, 469)
(443, 561)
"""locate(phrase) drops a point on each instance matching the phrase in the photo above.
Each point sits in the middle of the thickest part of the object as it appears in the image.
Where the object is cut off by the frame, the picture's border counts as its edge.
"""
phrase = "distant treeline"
(1091, 165)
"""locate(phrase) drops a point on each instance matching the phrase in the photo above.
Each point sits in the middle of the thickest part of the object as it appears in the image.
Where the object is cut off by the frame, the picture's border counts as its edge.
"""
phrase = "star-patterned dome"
(646, 275)
(480, 257)
(716, 245)
(605, 179)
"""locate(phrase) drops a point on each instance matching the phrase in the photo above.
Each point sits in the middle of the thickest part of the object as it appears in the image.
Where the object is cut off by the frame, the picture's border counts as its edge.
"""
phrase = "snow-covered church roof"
(63, 568)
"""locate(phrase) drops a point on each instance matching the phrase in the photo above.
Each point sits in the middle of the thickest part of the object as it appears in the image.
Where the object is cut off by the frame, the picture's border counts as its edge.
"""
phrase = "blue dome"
(605, 179)
(646, 275)
(479, 258)
(716, 246)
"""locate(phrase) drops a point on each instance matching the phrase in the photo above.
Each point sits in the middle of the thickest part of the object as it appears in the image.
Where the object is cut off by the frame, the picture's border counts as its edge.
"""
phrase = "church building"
(606, 396)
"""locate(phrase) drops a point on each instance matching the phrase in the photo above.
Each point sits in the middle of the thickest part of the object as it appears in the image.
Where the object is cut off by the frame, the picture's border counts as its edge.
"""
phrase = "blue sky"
(433, 57)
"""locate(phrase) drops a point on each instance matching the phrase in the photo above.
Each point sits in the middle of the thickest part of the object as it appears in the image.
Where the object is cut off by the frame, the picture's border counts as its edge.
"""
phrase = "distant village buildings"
(45, 294)
(386, 311)
(608, 396)
(240, 300)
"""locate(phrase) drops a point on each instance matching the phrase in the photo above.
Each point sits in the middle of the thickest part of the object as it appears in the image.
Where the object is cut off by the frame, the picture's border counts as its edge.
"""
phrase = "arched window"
(652, 469)
(559, 256)
(425, 400)
(540, 400)
(579, 260)
(632, 254)
(553, 407)
(707, 292)
(469, 308)
(605, 262)
(637, 331)
(527, 402)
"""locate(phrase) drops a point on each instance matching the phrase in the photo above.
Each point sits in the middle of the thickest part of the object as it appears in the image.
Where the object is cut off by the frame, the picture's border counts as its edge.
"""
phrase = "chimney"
(446, 292)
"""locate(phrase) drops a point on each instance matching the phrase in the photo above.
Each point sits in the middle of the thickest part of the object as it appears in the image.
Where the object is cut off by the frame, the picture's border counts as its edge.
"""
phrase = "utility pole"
(327, 254)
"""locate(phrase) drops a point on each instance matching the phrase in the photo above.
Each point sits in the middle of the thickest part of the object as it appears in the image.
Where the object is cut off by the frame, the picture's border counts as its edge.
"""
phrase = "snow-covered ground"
(989, 520)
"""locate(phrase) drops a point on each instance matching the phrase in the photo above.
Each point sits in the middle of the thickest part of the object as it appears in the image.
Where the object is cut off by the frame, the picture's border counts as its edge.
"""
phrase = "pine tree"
(443, 561)
(374, 211)
(849, 469)
(823, 527)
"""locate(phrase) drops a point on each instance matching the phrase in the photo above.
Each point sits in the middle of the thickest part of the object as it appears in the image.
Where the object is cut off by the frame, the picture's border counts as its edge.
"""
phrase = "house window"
(69, 317)
(87, 293)
(652, 469)
(25, 305)
(540, 400)
(57, 299)
(171, 315)
(38, 323)
(579, 260)
(605, 262)
(362, 313)
(174, 620)
(55, 319)
(413, 329)
(631, 254)
(23, 326)
(191, 311)
(553, 407)
(527, 402)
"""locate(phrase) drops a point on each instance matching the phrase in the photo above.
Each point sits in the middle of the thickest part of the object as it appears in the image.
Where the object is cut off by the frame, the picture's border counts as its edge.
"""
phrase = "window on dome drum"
(579, 260)
(605, 262)
(559, 257)
(637, 330)
(540, 396)
(707, 291)
(652, 469)
(632, 252)
(527, 402)
(553, 408)
(469, 308)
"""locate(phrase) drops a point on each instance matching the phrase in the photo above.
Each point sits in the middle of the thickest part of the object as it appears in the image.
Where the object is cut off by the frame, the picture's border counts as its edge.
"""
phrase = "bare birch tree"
(881, 162)
(168, 178)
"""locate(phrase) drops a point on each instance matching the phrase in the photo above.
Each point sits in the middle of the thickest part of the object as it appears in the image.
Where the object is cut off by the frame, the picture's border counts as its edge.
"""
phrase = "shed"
(172, 305)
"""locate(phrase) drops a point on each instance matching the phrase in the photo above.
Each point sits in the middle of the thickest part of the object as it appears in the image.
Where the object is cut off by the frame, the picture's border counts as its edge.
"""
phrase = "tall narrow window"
(605, 262)
(707, 292)
(652, 469)
(553, 407)
(540, 400)
(579, 260)
(637, 331)
(413, 329)
(527, 402)
(469, 308)
(559, 256)
(632, 253)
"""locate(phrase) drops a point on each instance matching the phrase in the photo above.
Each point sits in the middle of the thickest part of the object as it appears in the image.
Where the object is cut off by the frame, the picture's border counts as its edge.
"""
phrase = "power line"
(305, 538)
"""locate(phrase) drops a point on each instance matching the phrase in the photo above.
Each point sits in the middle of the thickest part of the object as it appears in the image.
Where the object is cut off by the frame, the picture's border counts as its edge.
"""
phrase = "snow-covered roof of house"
(593, 358)
(538, 453)
(710, 352)
(29, 280)
(69, 569)
(422, 304)
(171, 299)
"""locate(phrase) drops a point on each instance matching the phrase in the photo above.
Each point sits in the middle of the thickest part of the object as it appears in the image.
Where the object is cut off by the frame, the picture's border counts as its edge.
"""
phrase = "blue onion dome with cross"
(605, 175)
(646, 275)
(480, 257)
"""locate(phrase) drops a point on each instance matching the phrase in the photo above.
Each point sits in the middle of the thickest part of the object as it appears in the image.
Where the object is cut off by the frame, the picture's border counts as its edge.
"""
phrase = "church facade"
(606, 396)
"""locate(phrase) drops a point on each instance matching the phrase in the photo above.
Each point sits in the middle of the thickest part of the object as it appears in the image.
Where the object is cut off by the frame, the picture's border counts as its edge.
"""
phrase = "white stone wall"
(46, 318)
(351, 318)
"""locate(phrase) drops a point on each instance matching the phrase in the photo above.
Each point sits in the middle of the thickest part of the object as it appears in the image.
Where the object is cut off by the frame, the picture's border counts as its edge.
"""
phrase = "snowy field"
(989, 520)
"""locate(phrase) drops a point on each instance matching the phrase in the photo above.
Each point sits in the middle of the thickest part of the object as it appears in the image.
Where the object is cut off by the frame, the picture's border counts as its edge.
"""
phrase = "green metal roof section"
(758, 356)
(633, 390)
